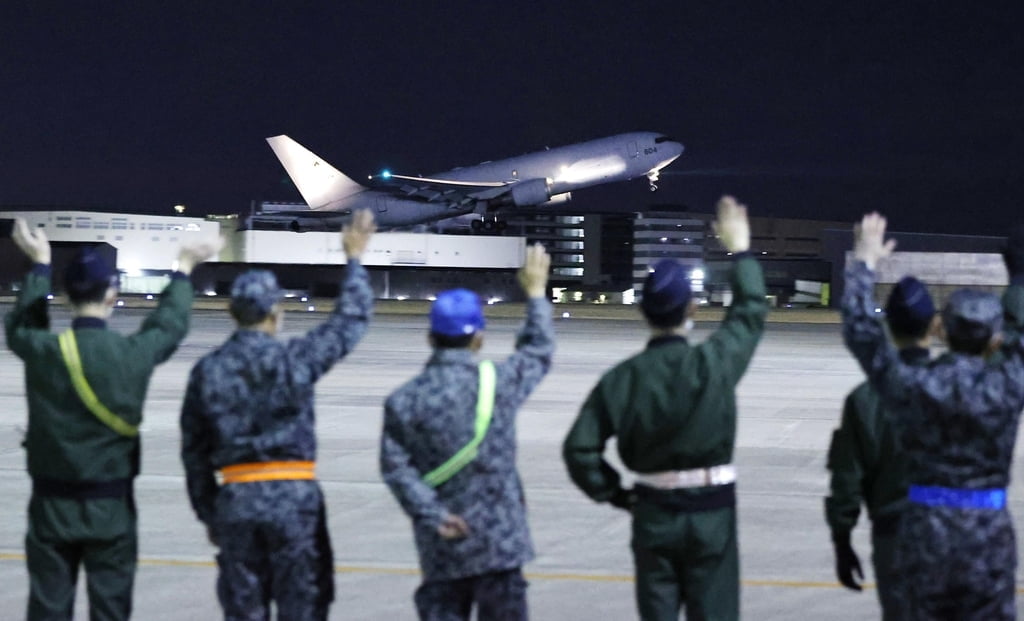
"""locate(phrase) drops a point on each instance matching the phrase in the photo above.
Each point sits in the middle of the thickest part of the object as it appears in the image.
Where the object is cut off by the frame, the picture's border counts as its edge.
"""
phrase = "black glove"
(847, 563)
(623, 499)
(1013, 254)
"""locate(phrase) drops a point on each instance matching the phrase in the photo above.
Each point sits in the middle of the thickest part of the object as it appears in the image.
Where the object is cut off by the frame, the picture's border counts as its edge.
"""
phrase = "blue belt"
(994, 498)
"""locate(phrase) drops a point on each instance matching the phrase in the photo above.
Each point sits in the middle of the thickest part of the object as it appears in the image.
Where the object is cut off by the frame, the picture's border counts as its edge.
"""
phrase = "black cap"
(910, 309)
(88, 272)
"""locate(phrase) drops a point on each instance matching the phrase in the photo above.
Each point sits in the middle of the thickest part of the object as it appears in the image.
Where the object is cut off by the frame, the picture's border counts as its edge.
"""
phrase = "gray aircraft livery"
(486, 190)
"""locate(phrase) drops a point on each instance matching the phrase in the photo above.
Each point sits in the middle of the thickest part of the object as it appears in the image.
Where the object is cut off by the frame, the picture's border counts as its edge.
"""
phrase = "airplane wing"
(447, 191)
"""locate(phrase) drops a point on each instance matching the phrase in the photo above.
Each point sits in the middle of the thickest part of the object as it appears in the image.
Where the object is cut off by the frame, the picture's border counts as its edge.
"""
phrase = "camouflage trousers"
(499, 596)
(274, 546)
(955, 564)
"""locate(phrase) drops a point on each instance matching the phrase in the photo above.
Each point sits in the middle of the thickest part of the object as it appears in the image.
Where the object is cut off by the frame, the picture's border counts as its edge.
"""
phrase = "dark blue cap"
(456, 312)
(910, 308)
(253, 294)
(88, 271)
(972, 315)
(667, 287)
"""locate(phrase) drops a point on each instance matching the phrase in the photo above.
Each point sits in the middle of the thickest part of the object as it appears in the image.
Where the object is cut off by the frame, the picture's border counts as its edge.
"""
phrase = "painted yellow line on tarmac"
(409, 571)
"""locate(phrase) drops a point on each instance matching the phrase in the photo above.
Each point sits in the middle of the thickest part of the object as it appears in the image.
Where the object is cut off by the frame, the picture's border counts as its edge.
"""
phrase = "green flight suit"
(82, 510)
(867, 465)
(673, 407)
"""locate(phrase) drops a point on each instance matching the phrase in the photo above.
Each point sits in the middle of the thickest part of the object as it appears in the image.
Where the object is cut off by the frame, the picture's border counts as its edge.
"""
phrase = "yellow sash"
(69, 350)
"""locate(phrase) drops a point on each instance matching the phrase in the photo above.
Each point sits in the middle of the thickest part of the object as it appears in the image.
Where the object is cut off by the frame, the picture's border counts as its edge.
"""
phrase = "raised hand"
(193, 253)
(869, 243)
(533, 275)
(356, 234)
(732, 225)
(31, 241)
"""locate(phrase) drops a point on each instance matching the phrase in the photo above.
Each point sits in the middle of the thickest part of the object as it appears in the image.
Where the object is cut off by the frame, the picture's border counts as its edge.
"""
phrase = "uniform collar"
(251, 335)
(445, 355)
(915, 355)
(88, 322)
(665, 340)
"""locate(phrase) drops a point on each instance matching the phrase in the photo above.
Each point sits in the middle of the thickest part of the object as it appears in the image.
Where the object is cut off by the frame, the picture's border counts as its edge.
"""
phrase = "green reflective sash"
(69, 350)
(484, 410)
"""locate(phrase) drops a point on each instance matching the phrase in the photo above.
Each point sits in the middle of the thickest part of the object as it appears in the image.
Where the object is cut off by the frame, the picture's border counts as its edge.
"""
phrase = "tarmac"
(789, 402)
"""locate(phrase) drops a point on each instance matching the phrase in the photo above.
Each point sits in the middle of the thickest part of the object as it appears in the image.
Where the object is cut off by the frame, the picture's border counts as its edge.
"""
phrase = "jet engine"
(531, 192)
(558, 199)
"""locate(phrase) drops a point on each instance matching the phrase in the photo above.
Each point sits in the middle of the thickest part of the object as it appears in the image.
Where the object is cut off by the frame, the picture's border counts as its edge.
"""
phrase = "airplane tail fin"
(321, 185)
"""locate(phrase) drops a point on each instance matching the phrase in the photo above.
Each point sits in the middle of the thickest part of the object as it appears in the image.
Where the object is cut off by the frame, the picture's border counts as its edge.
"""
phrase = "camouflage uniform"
(868, 466)
(428, 420)
(957, 422)
(251, 401)
(82, 510)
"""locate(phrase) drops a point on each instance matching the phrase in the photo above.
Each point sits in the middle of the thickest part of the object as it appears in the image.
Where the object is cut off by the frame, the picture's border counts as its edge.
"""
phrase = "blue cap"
(456, 312)
(253, 294)
(88, 271)
(667, 287)
(910, 308)
(973, 315)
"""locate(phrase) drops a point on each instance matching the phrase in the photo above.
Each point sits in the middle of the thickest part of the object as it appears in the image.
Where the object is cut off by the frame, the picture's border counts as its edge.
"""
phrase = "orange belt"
(268, 471)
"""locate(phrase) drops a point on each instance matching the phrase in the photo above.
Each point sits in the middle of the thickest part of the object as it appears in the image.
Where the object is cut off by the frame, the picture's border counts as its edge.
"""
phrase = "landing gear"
(652, 177)
(488, 226)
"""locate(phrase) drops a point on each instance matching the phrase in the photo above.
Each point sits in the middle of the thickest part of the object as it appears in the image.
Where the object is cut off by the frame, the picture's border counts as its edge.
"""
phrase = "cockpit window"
(660, 139)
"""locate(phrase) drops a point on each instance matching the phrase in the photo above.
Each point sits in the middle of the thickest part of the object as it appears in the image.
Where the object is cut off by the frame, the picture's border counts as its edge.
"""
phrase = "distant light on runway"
(179, 209)
(120, 302)
(565, 315)
(49, 297)
(493, 300)
(210, 293)
(311, 308)
(149, 296)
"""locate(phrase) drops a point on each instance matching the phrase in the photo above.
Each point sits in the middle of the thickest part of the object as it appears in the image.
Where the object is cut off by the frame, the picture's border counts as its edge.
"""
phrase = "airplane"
(482, 193)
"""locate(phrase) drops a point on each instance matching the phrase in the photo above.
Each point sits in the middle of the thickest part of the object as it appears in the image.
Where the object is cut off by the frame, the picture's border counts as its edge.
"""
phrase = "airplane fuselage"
(530, 179)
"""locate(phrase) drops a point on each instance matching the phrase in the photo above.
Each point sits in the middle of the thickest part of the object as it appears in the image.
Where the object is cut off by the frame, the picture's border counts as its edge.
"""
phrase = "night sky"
(807, 109)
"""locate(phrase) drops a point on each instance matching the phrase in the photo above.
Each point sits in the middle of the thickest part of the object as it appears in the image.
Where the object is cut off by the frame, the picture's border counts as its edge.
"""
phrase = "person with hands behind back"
(448, 451)
(86, 388)
(672, 408)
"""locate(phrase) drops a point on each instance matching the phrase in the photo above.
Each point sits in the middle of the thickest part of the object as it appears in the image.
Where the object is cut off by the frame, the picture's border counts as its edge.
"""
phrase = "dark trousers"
(883, 558)
(288, 560)
(686, 559)
(66, 534)
(499, 596)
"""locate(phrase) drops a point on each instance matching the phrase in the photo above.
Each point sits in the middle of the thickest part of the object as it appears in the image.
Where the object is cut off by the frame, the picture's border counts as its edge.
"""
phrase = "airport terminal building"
(596, 258)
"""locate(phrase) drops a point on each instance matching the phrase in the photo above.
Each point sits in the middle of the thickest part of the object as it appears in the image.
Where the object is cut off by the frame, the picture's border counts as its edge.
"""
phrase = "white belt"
(700, 477)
